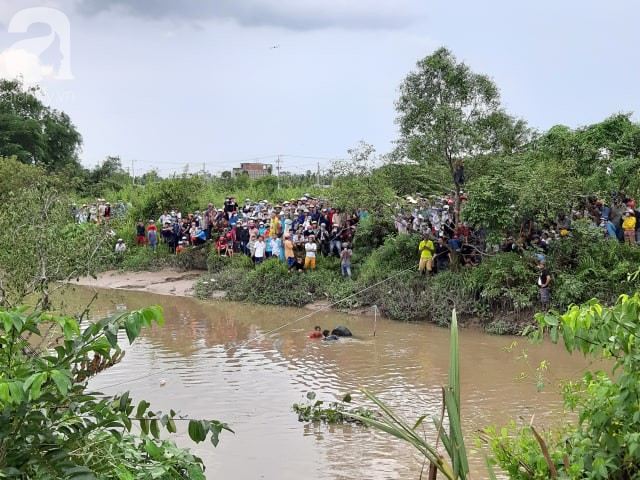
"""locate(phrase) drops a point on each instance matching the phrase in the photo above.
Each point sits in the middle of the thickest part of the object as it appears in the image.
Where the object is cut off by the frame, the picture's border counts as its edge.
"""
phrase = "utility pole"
(318, 175)
(133, 174)
(278, 162)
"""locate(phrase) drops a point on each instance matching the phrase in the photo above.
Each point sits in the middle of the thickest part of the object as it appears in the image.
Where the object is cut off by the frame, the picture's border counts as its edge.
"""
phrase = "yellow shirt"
(629, 223)
(275, 225)
(288, 249)
(426, 248)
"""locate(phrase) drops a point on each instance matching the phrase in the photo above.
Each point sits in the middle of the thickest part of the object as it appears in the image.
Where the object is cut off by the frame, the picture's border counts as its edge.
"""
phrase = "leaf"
(152, 449)
(142, 407)
(15, 388)
(545, 451)
(124, 401)
(347, 398)
(419, 422)
(34, 384)
(196, 431)
(133, 325)
(112, 338)
(61, 381)
(554, 334)
(171, 426)
(4, 393)
(144, 426)
(79, 473)
(155, 431)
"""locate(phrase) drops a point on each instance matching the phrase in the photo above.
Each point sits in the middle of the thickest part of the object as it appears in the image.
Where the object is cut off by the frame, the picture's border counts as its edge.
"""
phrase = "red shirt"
(316, 334)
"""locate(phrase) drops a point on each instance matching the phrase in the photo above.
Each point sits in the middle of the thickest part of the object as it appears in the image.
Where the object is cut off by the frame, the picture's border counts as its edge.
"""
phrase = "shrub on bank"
(501, 292)
(396, 254)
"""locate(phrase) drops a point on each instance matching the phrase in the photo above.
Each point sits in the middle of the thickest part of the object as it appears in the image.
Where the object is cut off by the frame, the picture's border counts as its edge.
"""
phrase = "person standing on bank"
(543, 284)
(426, 249)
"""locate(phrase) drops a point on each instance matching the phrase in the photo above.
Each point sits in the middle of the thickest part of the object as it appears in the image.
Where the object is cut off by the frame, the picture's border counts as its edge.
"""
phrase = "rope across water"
(281, 327)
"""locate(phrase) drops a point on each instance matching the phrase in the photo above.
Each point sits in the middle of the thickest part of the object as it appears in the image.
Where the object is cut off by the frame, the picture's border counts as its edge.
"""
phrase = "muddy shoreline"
(180, 283)
(163, 282)
(172, 283)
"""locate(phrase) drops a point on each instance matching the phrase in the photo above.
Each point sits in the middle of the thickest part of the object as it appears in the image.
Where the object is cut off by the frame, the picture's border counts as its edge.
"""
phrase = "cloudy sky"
(167, 83)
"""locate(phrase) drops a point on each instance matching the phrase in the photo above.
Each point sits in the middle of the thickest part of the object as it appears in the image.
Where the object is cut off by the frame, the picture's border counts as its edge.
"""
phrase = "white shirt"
(311, 249)
(259, 249)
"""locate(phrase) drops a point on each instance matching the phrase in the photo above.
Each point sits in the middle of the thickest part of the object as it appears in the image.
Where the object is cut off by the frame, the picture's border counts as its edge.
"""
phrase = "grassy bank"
(500, 293)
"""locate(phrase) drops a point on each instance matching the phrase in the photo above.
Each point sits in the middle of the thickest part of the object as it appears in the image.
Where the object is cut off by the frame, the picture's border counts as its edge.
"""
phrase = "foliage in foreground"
(52, 426)
(605, 441)
(457, 465)
(44, 245)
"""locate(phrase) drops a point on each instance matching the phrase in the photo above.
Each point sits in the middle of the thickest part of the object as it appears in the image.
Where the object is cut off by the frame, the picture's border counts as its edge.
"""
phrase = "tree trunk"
(456, 211)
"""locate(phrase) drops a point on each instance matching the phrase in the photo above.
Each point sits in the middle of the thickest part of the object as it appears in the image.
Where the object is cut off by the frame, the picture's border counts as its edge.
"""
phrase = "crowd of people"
(299, 230)
(294, 231)
(445, 242)
(98, 212)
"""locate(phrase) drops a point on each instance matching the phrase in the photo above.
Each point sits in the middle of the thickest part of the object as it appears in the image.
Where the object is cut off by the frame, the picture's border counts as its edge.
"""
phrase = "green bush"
(193, 258)
(204, 287)
(142, 258)
(371, 233)
(396, 254)
(506, 282)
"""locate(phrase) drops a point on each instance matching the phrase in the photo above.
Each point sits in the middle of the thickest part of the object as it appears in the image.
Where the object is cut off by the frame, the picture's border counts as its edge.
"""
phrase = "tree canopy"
(449, 115)
(33, 132)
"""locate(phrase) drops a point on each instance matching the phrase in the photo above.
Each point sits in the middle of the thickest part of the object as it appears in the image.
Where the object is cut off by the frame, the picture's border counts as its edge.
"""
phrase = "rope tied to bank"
(281, 327)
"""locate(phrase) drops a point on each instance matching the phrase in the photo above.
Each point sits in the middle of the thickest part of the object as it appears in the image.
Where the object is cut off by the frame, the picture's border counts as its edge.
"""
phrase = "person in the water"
(317, 332)
(328, 336)
(341, 331)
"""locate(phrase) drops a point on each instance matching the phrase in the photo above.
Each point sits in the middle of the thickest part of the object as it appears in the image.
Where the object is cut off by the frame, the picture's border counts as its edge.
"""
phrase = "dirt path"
(165, 282)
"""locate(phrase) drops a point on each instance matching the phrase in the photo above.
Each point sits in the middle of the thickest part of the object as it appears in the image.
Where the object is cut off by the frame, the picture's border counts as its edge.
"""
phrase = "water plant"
(456, 466)
(312, 410)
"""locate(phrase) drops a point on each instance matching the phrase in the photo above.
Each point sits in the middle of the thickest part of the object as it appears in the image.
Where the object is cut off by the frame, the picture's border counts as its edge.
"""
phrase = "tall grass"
(455, 466)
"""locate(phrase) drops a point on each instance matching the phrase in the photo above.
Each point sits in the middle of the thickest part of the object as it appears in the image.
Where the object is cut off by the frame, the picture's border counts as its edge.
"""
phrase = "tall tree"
(33, 132)
(449, 115)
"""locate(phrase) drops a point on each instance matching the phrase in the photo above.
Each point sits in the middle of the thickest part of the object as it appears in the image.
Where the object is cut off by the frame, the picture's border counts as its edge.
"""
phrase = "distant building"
(254, 170)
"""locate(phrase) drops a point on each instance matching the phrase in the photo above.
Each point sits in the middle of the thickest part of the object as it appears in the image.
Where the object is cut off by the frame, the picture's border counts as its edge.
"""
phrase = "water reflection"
(213, 370)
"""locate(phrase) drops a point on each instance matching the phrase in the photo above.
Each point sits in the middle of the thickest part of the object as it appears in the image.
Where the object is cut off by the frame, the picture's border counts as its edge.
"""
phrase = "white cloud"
(16, 63)
(290, 14)
(8, 8)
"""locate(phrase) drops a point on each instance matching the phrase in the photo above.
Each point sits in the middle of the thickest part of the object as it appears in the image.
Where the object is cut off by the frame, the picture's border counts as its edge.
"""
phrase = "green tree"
(491, 204)
(33, 132)
(449, 115)
(15, 175)
(604, 441)
(40, 244)
(109, 175)
(359, 182)
(52, 426)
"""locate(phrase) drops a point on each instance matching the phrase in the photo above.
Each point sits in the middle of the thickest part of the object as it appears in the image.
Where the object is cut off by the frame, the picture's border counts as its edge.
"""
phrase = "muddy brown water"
(211, 370)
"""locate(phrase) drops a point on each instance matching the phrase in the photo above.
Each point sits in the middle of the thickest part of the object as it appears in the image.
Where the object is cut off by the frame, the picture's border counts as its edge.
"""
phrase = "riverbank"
(162, 282)
(174, 283)
(499, 295)
(171, 282)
